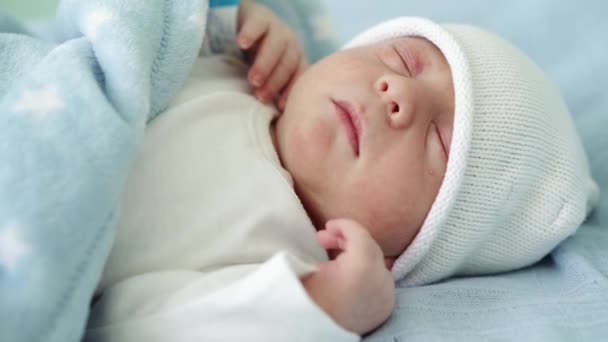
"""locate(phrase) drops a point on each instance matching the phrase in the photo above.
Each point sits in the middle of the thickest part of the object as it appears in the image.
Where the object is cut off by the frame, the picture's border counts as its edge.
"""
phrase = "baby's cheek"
(312, 142)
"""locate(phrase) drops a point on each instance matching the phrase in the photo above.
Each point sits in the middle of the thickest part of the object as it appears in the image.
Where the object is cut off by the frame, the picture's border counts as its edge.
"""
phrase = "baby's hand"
(355, 288)
(275, 51)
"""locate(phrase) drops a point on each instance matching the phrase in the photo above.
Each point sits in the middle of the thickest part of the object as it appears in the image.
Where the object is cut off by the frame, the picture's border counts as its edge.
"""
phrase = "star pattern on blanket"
(94, 21)
(12, 248)
(39, 102)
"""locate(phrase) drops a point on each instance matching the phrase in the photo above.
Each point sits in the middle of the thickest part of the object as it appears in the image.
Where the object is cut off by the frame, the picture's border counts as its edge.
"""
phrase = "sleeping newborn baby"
(418, 152)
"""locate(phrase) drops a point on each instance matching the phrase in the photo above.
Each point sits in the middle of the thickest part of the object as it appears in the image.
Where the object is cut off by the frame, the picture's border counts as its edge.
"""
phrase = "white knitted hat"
(517, 181)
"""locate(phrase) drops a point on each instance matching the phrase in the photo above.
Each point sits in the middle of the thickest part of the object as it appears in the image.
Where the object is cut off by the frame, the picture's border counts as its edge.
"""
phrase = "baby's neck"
(273, 135)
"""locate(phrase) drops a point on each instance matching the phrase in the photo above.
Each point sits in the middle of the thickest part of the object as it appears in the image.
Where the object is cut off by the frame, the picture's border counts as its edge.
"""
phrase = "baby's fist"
(355, 288)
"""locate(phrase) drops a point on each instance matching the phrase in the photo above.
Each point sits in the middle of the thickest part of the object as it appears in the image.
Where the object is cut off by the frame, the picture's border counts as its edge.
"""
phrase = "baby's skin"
(365, 134)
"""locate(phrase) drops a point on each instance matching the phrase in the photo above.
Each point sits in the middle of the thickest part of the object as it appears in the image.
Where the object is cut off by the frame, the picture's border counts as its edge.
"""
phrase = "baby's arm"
(356, 289)
(235, 303)
(277, 55)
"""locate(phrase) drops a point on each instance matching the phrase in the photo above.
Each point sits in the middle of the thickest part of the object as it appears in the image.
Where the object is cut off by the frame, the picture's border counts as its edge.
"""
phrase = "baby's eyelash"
(403, 60)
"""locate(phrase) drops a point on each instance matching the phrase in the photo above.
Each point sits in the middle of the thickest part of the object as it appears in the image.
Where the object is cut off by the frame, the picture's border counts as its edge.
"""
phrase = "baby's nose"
(399, 107)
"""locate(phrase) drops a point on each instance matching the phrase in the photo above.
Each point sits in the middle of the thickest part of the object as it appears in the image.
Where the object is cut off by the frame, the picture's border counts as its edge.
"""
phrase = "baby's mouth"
(351, 121)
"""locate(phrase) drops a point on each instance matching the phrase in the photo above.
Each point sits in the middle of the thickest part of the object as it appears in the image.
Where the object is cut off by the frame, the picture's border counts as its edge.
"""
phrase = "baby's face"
(365, 135)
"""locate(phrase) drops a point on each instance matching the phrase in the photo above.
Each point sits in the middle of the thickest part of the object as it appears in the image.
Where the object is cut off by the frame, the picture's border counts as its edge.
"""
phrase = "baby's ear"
(389, 261)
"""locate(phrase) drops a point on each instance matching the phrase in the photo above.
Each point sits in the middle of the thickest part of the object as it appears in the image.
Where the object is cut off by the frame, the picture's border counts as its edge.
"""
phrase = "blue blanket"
(71, 117)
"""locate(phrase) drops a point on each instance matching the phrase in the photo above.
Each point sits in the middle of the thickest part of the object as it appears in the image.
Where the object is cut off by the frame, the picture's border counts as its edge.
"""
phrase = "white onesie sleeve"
(212, 239)
(177, 306)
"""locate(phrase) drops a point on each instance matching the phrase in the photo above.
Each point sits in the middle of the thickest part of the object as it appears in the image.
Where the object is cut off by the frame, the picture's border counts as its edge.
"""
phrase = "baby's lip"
(351, 118)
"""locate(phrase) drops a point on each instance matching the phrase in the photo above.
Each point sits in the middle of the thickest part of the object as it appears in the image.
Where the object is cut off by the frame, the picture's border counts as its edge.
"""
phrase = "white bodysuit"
(213, 240)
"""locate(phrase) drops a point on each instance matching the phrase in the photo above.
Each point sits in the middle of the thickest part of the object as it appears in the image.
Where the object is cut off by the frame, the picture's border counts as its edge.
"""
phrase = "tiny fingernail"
(262, 96)
(255, 79)
(244, 42)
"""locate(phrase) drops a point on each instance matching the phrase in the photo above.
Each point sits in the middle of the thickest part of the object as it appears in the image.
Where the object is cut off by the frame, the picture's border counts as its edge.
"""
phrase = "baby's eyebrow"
(417, 56)
(403, 61)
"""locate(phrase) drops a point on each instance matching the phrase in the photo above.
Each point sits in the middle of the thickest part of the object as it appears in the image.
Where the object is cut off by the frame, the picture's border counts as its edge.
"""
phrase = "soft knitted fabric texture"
(517, 181)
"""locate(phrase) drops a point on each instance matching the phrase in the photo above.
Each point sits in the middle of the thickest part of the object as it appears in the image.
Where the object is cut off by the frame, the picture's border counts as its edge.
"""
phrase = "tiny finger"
(251, 32)
(266, 60)
(282, 73)
(327, 240)
(356, 237)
